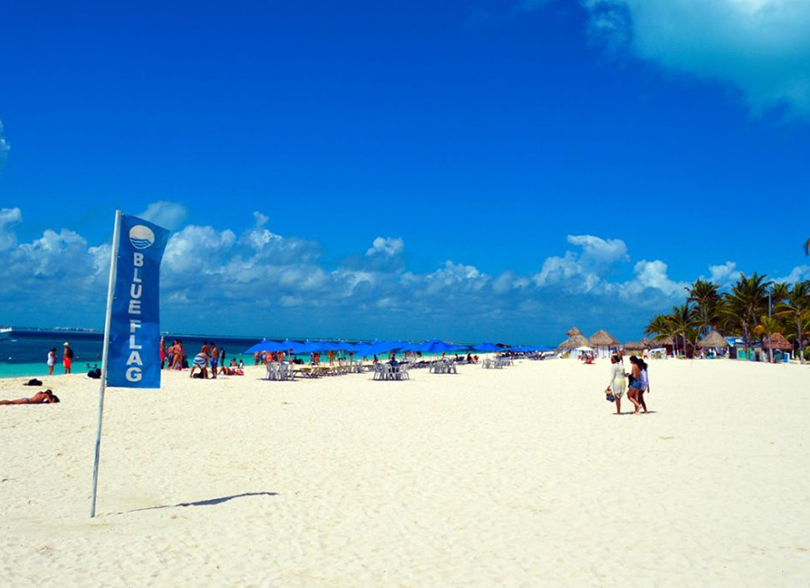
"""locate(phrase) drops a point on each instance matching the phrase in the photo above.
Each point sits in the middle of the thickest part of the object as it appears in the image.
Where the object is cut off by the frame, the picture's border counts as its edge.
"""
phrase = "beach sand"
(519, 477)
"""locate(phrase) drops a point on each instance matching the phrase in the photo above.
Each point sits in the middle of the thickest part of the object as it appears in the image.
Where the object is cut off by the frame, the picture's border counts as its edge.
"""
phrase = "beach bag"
(95, 374)
(610, 397)
(33, 382)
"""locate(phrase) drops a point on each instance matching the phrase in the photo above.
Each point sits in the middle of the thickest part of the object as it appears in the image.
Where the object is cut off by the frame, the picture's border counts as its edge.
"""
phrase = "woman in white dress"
(51, 360)
(618, 383)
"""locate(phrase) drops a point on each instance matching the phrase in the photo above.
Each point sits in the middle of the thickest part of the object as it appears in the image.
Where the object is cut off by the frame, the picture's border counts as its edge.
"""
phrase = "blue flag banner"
(134, 350)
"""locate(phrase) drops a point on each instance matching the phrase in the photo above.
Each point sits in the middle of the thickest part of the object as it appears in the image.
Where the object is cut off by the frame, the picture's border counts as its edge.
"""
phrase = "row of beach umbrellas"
(382, 347)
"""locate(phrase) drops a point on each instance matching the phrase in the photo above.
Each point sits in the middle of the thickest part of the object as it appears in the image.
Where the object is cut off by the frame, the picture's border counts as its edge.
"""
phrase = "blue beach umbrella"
(434, 346)
(486, 347)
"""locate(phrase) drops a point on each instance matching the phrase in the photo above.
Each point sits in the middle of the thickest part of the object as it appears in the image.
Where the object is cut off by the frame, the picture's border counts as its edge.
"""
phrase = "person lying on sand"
(231, 371)
(46, 397)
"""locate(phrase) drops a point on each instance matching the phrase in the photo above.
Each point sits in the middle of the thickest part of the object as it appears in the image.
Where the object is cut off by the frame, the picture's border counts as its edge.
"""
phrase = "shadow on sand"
(209, 502)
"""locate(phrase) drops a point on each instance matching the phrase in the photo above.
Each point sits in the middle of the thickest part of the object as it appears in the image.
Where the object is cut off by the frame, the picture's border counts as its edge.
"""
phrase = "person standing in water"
(618, 383)
(67, 358)
(214, 360)
(51, 360)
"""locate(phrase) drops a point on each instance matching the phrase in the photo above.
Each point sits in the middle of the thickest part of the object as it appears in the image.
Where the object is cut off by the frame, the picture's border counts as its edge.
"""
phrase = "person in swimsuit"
(67, 358)
(214, 359)
(201, 363)
(618, 383)
(645, 385)
(51, 360)
(46, 397)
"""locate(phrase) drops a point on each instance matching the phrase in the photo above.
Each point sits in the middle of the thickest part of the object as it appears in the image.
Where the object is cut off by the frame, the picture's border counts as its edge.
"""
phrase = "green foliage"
(741, 311)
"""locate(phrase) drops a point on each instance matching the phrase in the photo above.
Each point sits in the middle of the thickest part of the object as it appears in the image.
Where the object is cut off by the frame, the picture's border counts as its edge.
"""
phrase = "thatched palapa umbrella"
(634, 346)
(713, 340)
(602, 341)
(573, 331)
(573, 342)
(779, 342)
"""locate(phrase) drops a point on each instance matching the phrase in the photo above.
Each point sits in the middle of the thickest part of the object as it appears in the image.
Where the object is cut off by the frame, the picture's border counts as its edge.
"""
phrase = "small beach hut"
(634, 346)
(603, 342)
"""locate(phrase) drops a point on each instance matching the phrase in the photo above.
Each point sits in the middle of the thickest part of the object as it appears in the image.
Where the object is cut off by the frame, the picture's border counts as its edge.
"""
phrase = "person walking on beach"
(67, 358)
(51, 360)
(618, 383)
(639, 384)
(222, 356)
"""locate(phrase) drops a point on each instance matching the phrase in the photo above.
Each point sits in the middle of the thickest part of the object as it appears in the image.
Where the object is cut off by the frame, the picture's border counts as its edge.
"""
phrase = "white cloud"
(582, 272)
(724, 274)
(797, 274)
(598, 252)
(653, 275)
(386, 246)
(260, 218)
(197, 249)
(4, 147)
(163, 213)
(761, 47)
(8, 218)
(263, 280)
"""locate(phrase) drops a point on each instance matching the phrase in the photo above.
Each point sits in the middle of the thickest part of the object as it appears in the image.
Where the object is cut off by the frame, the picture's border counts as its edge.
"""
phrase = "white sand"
(519, 477)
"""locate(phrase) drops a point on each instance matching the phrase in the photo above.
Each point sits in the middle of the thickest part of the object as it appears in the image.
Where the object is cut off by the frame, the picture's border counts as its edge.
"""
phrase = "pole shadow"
(209, 502)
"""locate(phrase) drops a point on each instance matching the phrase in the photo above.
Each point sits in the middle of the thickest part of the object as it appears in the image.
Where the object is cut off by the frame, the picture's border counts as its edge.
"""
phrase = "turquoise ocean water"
(25, 351)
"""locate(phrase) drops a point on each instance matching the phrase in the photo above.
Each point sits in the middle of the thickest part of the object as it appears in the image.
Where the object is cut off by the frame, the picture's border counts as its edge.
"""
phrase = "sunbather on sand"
(46, 397)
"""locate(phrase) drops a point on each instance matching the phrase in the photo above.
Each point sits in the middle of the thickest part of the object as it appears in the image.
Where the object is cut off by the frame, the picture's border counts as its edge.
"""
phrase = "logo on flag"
(141, 236)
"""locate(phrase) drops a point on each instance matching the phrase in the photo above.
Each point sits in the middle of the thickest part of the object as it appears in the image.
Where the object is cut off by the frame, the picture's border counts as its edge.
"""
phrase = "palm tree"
(767, 326)
(796, 306)
(660, 327)
(682, 320)
(706, 299)
(745, 302)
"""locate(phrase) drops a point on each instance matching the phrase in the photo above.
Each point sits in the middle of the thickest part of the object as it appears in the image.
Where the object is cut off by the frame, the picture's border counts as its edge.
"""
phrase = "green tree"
(767, 326)
(796, 308)
(706, 298)
(745, 303)
(659, 327)
(682, 320)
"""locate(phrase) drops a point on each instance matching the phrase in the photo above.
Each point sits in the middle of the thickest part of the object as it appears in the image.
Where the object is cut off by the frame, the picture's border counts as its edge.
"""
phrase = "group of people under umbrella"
(344, 352)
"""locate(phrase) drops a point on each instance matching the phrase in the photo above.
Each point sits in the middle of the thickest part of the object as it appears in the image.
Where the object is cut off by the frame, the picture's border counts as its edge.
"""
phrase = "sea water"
(25, 352)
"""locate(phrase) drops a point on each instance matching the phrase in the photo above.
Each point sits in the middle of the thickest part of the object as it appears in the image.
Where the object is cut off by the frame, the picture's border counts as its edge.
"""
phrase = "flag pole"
(103, 381)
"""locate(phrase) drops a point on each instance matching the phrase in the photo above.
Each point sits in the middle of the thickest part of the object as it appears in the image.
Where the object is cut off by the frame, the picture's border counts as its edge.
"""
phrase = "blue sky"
(522, 166)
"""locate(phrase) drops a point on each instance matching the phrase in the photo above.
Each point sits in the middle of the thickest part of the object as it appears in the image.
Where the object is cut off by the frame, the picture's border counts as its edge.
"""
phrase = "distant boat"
(5, 333)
